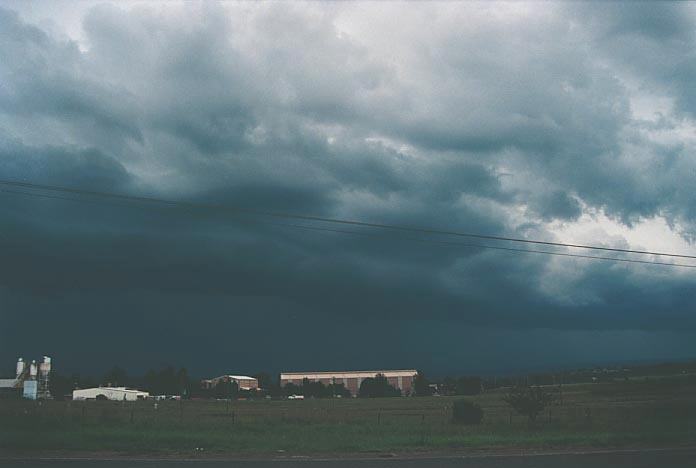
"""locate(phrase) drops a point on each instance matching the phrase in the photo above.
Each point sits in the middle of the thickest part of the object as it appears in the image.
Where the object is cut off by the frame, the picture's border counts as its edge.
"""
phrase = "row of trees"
(371, 387)
(525, 400)
(166, 381)
(449, 386)
(172, 381)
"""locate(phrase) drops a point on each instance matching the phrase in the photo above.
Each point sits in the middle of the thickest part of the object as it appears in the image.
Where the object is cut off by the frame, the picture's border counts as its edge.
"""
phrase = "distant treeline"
(173, 381)
(166, 381)
(370, 387)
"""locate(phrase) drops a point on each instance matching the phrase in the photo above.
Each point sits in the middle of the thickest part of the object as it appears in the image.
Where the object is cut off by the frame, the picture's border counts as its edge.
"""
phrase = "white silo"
(32, 370)
(45, 366)
(21, 365)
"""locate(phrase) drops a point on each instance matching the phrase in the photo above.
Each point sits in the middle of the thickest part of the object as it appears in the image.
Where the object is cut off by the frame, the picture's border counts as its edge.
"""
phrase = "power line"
(410, 239)
(175, 203)
(485, 246)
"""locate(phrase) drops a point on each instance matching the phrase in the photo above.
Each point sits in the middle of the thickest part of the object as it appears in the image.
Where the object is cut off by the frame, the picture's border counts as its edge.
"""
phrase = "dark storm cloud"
(654, 40)
(558, 205)
(45, 79)
(502, 129)
(87, 168)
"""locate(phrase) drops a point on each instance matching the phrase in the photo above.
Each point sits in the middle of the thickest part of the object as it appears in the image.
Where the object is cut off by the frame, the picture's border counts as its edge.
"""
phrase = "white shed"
(109, 393)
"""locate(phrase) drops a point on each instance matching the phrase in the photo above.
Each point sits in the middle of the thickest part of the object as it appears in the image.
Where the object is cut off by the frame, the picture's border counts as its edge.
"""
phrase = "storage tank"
(32, 370)
(45, 366)
(20, 367)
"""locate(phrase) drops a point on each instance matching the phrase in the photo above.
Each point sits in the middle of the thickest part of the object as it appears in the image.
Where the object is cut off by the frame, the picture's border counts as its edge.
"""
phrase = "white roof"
(236, 377)
(118, 389)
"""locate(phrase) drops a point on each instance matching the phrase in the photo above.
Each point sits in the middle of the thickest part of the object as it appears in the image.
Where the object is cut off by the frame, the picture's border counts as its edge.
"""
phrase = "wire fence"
(432, 412)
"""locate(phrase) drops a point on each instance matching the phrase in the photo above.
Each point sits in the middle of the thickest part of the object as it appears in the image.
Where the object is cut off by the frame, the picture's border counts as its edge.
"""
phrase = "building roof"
(235, 377)
(348, 374)
(119, 389)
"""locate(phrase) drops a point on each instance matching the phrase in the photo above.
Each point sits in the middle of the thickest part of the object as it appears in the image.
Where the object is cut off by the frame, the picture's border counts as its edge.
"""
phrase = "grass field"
(645, 413)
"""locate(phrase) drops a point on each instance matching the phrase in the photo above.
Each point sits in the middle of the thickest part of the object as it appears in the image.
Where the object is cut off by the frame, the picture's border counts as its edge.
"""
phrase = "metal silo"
(21, 365)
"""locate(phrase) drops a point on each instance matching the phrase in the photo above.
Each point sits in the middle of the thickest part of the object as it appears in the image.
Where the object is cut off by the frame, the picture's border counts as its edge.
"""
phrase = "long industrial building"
(110, 393)
(401, 379)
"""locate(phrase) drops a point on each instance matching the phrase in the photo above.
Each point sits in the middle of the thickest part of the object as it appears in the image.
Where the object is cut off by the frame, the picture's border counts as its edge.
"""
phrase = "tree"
(377, 387)
(264, 380)
(421, 386)
(79, 381)
(60, 386)
(528, 401)
(116, 377)
(292, 389)
(316, 389)
(449, 386)
(466, 412)
(167, 381)
(468, 385)
(338, 390)
(226, 388)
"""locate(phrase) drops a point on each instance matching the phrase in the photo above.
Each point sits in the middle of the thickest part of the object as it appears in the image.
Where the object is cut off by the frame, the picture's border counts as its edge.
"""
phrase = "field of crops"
(652, 412)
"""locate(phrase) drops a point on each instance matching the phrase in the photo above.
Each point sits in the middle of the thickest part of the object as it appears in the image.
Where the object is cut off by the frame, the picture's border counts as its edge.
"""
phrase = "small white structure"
(30, 390)
(109, 393)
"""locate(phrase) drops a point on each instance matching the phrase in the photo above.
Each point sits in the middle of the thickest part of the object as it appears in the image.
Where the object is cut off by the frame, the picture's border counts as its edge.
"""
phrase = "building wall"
(247, 384)
(116, 394)
(401, 379)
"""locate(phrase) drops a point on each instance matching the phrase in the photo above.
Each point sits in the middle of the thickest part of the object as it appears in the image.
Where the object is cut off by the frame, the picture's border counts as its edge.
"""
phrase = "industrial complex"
(31, 380)
(351, 380)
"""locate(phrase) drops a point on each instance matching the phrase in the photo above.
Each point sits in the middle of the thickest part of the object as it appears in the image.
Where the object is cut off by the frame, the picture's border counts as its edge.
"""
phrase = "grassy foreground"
(633, 413)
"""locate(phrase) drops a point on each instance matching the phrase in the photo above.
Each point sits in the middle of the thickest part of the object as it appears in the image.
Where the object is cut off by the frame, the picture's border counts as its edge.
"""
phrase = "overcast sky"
(566, 122)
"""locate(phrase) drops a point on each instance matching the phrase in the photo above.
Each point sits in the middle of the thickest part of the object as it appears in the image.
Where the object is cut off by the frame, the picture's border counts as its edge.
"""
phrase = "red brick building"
(244, 382)
(401, 379)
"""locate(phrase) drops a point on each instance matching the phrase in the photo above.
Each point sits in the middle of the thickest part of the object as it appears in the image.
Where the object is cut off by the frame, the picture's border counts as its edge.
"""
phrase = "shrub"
(528, 401)
(466, 412)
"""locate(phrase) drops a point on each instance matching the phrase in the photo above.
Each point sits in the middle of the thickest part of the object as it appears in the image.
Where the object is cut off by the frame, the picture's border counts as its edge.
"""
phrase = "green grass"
(318, 437)
(598, 415)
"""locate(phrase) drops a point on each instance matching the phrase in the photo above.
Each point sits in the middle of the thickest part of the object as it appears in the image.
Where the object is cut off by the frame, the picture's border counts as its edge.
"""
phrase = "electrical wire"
(174, 203)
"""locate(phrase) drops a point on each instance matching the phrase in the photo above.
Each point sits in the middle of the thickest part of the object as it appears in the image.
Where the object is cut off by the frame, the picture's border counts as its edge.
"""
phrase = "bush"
(466, 412)
(528, 401)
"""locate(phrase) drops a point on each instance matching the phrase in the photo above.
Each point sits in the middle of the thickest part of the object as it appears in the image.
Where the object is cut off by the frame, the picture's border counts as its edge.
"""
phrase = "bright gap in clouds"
(653, 234)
